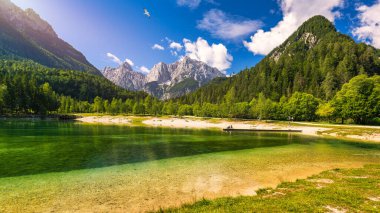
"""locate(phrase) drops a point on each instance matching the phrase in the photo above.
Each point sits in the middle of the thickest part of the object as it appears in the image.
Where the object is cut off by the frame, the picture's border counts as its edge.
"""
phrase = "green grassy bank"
(349, 190)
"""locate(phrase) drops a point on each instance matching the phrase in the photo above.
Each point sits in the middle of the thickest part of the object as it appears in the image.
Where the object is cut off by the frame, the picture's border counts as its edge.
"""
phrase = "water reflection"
(32, 147)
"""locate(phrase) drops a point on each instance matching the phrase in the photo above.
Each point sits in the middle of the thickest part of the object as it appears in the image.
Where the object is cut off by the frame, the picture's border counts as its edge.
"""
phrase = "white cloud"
(114, 58)
(174, 53)
(369, 27)
(175, 45)
(215, 55)
(117, 60)
(189, 3)
(225, 26)
(130, 62)
(295, 12)
(158, 47)
(144, 70)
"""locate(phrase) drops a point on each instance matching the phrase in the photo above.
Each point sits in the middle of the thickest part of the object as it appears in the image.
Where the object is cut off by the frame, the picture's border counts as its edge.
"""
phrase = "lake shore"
(353, 132)
(120, 168)
(318, 193)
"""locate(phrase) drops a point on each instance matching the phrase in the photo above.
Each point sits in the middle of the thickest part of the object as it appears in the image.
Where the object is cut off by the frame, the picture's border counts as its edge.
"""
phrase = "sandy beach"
(356, 132)
(106, 120)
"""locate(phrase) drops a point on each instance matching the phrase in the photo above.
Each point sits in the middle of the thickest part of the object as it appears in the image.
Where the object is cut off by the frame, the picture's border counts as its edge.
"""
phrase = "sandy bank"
(122, 120)
(221, 124)
(366, 133)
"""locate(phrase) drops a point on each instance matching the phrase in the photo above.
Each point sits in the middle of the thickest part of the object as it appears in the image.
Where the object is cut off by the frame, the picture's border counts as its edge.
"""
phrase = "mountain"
(82, 86)
(24, 35)
(165, 81)
(125, 77)
(316, 59)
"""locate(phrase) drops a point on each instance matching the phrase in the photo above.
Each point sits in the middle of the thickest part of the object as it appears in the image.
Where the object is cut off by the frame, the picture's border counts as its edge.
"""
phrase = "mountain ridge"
(164, 81)
(315, 59)
(25, 35)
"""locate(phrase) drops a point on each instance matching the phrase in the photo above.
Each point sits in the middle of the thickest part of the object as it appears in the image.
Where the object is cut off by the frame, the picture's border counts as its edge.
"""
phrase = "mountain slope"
(125, 77)
(165, 81)
(316, 59)
(79, 85)
(24, 35)
(178, 79)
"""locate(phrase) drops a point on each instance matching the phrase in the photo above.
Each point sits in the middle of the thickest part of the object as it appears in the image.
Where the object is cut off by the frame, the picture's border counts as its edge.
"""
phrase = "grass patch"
(351, 190)
(345, 131)
(138, 121)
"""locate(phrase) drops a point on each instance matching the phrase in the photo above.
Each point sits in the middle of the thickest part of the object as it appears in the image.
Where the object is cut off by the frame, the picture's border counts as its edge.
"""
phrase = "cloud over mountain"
(117, 60)
(176, 46)
(114, 58)
(130, 62)
(295, 12)
(215, 55)
(144, 70)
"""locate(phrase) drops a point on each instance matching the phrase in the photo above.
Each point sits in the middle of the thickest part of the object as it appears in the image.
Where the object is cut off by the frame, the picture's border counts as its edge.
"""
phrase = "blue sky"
(229, 35)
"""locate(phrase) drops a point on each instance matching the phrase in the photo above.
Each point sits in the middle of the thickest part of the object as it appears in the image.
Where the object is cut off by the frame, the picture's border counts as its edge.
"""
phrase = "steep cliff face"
(196, 70)
(160, 73)
(125, 77)
(24, 35)
(165, 81)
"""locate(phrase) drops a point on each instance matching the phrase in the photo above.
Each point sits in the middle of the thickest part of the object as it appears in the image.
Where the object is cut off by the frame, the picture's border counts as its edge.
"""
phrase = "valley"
(83, 131)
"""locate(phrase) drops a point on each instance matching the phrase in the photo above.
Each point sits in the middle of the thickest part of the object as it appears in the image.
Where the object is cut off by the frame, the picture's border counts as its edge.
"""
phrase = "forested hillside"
(316, 74)
(316, 60)
(24, 35)
(25, 86)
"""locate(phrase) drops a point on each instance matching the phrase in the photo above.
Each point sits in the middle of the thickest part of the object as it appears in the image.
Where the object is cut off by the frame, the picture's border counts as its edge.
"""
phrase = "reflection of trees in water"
(42, 147)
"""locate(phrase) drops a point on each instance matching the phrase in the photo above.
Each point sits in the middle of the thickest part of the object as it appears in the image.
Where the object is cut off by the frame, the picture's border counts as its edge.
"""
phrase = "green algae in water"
(34, 147)
(127, 169)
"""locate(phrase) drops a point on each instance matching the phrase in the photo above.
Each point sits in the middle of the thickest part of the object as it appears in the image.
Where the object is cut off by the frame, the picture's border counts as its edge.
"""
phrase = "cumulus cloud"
(158, 47)
(144, 70)
(114, 58)
(175, 45)
(225, 26)
(215, 55)
(295, 12)
(189, 3)
(369, 27)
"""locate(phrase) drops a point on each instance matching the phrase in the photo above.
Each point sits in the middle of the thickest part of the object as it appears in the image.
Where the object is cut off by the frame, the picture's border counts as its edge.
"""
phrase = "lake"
(67, 166)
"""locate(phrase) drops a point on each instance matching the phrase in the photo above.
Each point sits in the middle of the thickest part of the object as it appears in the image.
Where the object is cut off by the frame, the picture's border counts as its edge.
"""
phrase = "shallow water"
(55, 166)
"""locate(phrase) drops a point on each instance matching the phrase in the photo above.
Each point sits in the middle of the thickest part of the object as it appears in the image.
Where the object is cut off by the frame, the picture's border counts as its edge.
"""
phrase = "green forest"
(316, 60)
(29, 88)
(317, 74)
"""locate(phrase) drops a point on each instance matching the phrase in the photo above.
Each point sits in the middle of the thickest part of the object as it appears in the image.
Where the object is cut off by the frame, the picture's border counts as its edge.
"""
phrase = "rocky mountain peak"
(127, 66)
(23, 21)
(309, 34)
(165, 80)
(28, 36)
(38, 23)
(159, 73)
(186, 59)
(125, 77)
(7, 4)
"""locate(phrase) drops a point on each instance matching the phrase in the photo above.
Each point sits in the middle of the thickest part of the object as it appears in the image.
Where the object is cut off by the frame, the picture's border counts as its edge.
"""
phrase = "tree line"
(29, 88)
(316, 60)
(358, 100)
